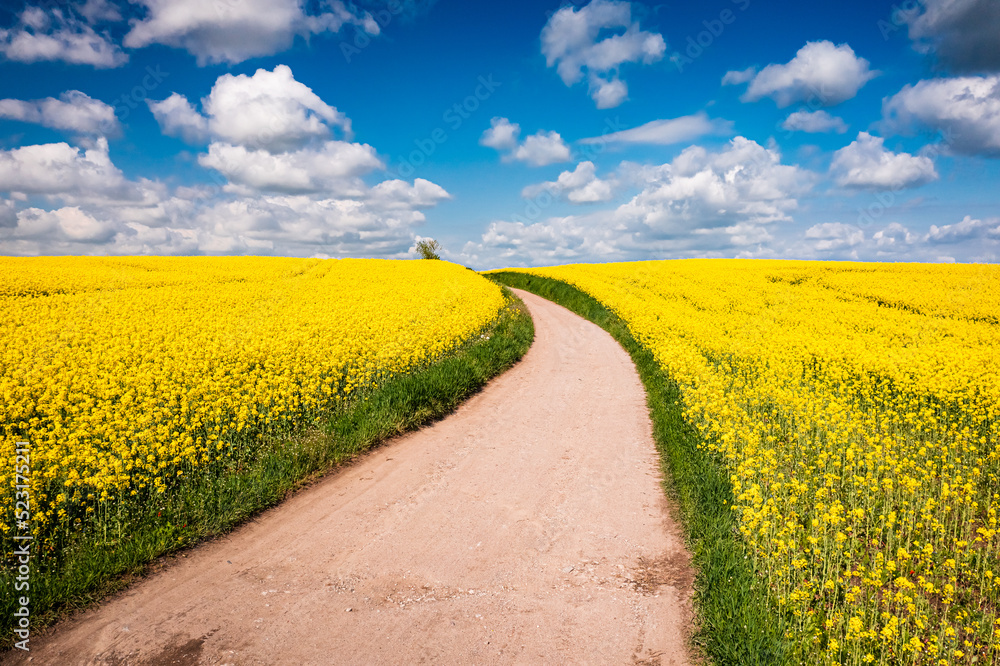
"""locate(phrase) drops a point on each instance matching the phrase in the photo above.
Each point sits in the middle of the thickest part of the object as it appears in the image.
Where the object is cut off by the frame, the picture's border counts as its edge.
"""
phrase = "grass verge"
(736, 623)
(216, 501)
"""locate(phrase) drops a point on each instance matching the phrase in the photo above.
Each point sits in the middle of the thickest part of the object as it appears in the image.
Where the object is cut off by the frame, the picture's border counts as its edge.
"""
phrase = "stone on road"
(528, 527)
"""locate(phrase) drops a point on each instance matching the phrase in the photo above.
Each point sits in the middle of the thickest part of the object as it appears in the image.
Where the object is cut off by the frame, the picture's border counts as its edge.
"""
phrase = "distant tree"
(428, 248)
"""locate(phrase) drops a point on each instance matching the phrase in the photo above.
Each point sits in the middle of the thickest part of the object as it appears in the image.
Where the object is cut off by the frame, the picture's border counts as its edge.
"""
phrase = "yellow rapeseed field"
(855, 407)
(126, 374)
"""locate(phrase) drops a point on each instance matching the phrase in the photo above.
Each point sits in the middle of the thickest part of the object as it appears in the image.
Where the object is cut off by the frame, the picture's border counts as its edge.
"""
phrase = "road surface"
(529, 527)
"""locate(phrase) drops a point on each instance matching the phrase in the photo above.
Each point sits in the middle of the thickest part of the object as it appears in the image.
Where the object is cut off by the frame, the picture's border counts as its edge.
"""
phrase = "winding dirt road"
(527, 528)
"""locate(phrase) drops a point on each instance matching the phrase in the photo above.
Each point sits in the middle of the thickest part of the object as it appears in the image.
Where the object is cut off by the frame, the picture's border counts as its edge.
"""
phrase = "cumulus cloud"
(745, 182)
(74, 111)
(231, 31)
(380, 224)
(608, 93)
(668, 131)
(400, 195)
(502, 135)
(59, 35)
(287, 187)
(270, 133)
(962, 34)
(966, 110)
(269, 110)
(967, 229)
(821, 72)
(894, 239)
(572, 43)
(539, 149)
(702, 203)
(58, 168)
(971, 240)
(580, 186)
(71, 223)
(814, 122)
(379, 221)
(865, 163)
(834, 236)
(542, 148)
(335, 167)
(177, 117)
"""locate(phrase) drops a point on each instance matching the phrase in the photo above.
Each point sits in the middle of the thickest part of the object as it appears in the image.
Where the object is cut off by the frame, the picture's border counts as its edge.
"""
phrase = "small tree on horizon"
(428, 248)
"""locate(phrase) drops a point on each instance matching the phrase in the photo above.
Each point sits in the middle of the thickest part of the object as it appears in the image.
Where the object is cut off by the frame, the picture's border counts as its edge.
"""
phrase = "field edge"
(735, 619)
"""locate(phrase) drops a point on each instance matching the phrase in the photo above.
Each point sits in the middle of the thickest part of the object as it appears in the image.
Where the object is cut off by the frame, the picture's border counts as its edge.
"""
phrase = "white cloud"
(961, 33)
(579, 186)
(73, 111)
(231, 31)
(289, 188)
(381, 224)
(99, 11)
(502, 135)
(539, 149)
(177, 117)
(970, 239)
(270, 139)
(866, 163)
(814, 122)
(735, 78)
(745, 182)
(58, 168)
(554, 241)
(967, 229)
(570, 42)
(542, 148)
(400, 195)
(71, 223)
(57, 35)
(8, 213)
(965, 110)
(334, 167)
(381, 221)
(269, 110)
(608, 93)
(700, 204)
(668, 131)
(834, 236)
(894, 239)
(821, 71)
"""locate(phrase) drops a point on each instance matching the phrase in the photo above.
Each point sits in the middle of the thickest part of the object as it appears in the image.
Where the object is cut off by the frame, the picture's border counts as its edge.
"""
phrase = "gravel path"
(529, 527)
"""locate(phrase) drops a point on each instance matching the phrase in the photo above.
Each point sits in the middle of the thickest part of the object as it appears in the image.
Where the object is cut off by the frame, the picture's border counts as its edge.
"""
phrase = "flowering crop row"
(127, 375)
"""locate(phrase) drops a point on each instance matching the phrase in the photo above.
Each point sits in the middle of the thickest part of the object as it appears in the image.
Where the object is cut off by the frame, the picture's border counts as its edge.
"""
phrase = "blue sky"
(521, 133)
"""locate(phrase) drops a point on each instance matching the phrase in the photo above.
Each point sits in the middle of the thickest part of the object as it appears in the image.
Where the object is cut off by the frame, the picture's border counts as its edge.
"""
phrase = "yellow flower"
(128, 374)
(855, 410)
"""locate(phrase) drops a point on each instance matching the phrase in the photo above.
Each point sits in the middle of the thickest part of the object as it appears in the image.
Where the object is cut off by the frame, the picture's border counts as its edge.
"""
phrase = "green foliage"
(428, 248)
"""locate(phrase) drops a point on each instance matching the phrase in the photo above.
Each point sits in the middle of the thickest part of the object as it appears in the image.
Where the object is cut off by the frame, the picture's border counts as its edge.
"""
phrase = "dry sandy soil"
(527, 528)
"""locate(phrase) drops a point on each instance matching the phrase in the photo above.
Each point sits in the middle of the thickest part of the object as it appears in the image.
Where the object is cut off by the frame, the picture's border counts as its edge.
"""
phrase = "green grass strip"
(213, 503)
(736, 623)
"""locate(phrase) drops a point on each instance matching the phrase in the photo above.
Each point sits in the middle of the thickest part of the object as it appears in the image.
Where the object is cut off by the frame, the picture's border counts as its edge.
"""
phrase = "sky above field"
(515, 133)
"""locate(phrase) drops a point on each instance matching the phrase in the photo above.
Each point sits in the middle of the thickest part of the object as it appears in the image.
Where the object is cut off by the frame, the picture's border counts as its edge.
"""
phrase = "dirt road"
(527, 528)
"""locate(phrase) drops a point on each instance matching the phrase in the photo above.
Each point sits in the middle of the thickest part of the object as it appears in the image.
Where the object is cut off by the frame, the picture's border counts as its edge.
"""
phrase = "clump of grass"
(111, 555)
(736, 623)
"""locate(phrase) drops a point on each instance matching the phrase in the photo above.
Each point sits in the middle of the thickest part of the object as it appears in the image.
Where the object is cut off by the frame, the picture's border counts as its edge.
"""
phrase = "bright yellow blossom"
(855, 407)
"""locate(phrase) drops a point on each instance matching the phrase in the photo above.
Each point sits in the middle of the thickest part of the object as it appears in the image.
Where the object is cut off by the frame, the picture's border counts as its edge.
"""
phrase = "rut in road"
(528, 527)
